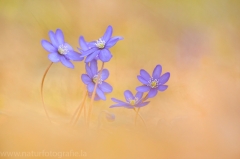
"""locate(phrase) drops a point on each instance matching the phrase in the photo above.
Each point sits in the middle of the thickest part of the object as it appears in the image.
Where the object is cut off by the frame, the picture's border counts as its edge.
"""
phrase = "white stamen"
(95, 78)
(133, 101)
(153, 83)
(62, 49)
(100, 43)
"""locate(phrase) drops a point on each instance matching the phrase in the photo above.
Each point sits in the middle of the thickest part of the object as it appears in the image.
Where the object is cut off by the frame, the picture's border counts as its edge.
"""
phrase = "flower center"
(153, 83)
(95, 79)
(62, 49)
(133, 101)
(100, 43)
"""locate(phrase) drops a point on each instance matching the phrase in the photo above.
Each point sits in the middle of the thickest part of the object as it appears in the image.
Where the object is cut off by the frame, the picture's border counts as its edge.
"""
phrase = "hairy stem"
(44, 75)
(93, 96)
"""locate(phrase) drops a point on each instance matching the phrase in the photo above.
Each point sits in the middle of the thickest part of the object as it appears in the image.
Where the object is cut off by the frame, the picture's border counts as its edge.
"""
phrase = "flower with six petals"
(91, 78)
(131, 101)
(100, 48)
(60, 50)
(153, 84)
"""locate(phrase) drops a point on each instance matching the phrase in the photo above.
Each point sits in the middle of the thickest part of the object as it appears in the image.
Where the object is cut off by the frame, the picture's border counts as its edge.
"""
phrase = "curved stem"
(135, 122)
(80, 109)
(44, 75)
(93, 96)
(141, 118)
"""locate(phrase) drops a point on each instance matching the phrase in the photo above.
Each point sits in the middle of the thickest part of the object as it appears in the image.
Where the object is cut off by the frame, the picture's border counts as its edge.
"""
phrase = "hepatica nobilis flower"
(86, 45)
(91, 78)
(101, 47)
(132, 101)
(153, 84)
(60, 50)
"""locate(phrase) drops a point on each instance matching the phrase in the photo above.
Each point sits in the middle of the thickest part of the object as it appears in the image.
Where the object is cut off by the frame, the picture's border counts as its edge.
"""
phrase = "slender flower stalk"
(137, 111)
(80, 109)
(93, 95)
(141, 118)
(75, 113)
(135, 122)
(44, 75)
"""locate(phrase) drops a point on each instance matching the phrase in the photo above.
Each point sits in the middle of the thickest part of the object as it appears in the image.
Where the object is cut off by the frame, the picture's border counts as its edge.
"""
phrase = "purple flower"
(96, 97)
(91, 77)
(86, 45)
(131, 101)
(101, 47)
(153, 84)
(60, 50)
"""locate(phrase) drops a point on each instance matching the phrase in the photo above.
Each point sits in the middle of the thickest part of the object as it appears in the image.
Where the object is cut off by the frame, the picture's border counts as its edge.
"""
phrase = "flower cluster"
(150, 84)
(96, 50)
(94, 78)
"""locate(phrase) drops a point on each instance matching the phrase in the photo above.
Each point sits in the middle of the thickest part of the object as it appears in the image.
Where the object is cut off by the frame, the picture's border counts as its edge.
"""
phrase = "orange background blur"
(197, 41)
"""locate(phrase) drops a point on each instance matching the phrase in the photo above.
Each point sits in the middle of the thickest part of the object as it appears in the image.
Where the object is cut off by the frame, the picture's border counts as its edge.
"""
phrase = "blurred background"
(197, 41)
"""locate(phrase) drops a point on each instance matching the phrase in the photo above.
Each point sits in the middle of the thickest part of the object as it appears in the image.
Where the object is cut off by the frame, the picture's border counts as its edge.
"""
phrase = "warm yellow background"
(197, 41)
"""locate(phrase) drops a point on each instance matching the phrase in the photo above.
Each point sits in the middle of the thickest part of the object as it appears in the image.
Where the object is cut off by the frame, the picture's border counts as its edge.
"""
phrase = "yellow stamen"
(100, 43)
(95, 79)
(61, 51)
(132, 102)
(153, 84)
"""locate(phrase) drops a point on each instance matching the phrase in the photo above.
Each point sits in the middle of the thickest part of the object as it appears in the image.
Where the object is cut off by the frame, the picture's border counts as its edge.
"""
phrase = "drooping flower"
(91, 78)
(131, 101)
(60, 50)
(101, 47)
(153, 84)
